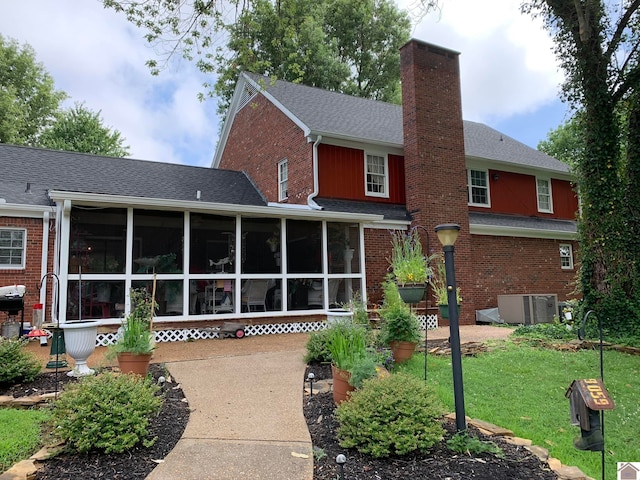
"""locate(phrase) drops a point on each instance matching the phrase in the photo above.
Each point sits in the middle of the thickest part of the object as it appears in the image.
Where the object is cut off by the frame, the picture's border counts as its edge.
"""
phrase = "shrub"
(317, 350)
(16, 364)
(107, 412)
(393, 415)
(462, 442)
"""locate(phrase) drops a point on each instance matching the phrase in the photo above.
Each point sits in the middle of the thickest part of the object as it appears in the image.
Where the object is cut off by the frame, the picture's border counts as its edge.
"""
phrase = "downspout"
(310, 199)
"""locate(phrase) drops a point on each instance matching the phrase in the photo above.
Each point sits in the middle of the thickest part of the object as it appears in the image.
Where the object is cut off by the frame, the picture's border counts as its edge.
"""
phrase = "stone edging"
(564, 472)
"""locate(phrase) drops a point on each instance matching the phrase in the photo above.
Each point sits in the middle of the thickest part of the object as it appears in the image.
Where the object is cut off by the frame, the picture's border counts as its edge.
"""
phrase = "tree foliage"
(28, 98)
(598, 43)
(78, 129)
(340, 45)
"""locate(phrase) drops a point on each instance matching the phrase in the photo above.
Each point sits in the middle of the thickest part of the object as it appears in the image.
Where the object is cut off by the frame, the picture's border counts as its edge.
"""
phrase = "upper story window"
(376, 175)
(283, 180)
(12, 248)
(478, 188)
(543, 190)
(566, 256)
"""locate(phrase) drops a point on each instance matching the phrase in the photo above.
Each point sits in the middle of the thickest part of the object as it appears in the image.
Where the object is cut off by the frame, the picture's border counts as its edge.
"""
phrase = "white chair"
(316, 296)
(254, 294)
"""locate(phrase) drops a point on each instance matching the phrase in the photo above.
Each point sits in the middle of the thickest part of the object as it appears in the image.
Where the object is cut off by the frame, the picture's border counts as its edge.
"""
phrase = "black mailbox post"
(587, 398)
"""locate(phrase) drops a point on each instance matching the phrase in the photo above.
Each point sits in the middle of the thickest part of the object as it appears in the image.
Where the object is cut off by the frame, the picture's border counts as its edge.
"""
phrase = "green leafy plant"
(362, 368)
(316, 347)
(359, 309)
(462, 442)
(407, 261)
(399, 323)
(438, 282)
(136, 334)
(16, 364)
(393, 415)
(346, 342)
(108, 412)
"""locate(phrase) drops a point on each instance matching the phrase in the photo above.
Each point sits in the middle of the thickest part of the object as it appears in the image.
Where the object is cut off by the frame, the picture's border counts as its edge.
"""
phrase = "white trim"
(385, 174)
(24, 211)
(469, 187)
(550, 194)
(478, 163)
(361, 144)
(389, 225)
(571, 266)
(501, 231)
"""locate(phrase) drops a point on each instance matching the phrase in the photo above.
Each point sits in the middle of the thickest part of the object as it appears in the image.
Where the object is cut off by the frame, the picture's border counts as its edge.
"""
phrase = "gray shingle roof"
(77, 172)
(344, 116)
(520, 222)
(390, 211)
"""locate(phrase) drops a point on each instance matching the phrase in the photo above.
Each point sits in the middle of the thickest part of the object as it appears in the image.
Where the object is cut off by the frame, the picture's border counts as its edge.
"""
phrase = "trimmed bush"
(393, 415)
(16, 364)
(317, 350)
(108, 412)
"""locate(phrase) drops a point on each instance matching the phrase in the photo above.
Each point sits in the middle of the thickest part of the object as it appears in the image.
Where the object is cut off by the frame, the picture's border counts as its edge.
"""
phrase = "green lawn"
(20, 434)
(522, 388)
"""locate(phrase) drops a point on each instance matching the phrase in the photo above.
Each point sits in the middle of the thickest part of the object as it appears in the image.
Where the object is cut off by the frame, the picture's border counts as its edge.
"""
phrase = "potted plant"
(347, 346)
(438, 283)
(400, 329)
(135, 342)
(409, 265)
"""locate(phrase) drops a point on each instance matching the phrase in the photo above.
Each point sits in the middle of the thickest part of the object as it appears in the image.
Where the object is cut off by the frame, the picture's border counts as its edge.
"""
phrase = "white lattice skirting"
(181, 335)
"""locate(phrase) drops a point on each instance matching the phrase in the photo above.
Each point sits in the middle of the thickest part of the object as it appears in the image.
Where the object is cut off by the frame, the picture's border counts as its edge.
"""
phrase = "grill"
(12, 302)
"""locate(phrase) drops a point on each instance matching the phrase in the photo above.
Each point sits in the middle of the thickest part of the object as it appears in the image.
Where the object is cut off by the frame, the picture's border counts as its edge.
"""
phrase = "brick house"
(418, 164)
(288, 224)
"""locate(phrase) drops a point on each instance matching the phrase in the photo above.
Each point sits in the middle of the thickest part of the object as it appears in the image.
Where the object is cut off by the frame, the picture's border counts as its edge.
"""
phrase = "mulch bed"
(438, 464)
(138, 462)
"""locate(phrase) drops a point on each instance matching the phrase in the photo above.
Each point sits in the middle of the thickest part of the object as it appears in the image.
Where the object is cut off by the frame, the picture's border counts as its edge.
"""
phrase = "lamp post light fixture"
(341, 460)
(310, 377)
(448, 234)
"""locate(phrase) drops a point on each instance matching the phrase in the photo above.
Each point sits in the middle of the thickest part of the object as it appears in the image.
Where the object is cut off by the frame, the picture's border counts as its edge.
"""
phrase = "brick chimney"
(434, 159)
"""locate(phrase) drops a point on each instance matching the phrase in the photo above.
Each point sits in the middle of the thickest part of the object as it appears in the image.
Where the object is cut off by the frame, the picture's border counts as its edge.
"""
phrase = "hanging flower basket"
(411, 292)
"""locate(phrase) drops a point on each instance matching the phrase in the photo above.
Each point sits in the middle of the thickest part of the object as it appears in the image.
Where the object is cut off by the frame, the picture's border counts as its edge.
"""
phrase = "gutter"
(310, 199)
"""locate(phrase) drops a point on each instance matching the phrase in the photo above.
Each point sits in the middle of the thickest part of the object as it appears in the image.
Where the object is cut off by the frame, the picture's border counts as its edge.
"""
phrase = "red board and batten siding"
(341, 175)
(515, 193)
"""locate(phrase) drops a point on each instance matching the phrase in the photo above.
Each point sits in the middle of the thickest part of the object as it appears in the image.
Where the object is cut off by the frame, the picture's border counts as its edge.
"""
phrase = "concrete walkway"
(246, 419)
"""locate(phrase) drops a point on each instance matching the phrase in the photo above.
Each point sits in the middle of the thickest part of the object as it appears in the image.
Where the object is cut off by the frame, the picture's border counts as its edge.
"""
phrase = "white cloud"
(97, 57)
(506, 62)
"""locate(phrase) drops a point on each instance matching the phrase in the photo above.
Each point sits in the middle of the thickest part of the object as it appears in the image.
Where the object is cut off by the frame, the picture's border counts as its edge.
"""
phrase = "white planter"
(80, 342)
(339, 315)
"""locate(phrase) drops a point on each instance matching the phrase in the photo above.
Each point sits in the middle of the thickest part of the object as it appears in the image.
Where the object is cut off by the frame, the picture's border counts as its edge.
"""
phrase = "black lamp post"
(447, 234)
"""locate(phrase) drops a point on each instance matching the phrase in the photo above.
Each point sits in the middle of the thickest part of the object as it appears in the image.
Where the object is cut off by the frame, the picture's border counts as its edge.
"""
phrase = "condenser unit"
(528, 309)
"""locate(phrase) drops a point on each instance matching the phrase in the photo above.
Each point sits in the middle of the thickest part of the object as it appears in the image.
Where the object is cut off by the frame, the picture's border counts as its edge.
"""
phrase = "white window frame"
(486, 187)
(548, 196)
(566, 261)
(283, 179)
(23, 253)
(384, 175)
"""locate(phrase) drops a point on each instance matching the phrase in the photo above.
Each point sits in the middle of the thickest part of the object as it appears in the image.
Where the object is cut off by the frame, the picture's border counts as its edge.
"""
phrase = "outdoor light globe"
(448, 233)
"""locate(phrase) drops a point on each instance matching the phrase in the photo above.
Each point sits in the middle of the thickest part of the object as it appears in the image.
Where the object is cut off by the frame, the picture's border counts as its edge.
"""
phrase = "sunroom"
(209, 261)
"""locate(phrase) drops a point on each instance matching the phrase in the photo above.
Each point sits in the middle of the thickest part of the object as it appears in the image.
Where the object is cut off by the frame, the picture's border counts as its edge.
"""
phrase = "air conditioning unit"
(528, 309)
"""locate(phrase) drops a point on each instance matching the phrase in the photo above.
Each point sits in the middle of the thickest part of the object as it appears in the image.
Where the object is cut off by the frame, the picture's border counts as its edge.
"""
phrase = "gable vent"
(248, 93)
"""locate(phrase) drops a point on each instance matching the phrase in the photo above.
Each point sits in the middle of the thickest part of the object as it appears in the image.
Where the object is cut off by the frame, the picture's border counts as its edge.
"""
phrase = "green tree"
(565, 142)
(78, 129)
(28, 98)
(597, 44)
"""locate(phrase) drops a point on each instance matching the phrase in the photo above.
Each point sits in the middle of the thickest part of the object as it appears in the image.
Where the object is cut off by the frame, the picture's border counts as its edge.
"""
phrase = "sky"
(509, 76)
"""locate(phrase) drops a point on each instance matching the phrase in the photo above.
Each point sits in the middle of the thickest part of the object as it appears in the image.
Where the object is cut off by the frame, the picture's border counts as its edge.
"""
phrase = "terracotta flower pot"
(341, 386)
(402, 351)
(134, 363)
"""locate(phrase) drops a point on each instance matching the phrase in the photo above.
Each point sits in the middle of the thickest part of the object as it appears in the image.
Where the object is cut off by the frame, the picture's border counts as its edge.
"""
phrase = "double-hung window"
(376, 175)
(543, 191)
(478, 188)
(13, 244)
(283, 180)
(566, 256)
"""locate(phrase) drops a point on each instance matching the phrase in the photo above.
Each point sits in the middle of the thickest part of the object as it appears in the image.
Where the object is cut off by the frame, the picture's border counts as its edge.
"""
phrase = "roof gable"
(336, 115)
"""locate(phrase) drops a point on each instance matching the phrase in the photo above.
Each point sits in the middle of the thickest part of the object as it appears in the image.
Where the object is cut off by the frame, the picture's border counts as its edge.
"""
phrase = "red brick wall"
(260, 137)
(435, 167)
(506, 265)
(31, 275)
